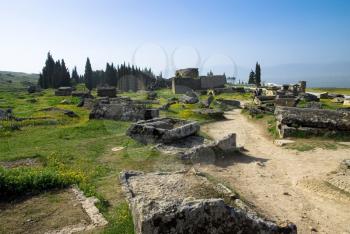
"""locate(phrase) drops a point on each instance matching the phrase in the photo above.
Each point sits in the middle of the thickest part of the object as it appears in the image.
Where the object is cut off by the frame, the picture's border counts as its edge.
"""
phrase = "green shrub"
(21, 181)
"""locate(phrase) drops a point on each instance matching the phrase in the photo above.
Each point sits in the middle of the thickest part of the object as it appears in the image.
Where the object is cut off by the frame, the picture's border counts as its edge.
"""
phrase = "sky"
(166, 35)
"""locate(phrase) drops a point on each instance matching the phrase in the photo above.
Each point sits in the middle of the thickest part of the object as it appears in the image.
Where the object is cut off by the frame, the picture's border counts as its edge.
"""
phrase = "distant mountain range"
(316, 75)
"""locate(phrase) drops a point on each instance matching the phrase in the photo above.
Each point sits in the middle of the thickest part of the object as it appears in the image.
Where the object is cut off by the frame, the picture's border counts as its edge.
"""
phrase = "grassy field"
(78, 150)
(345, 91)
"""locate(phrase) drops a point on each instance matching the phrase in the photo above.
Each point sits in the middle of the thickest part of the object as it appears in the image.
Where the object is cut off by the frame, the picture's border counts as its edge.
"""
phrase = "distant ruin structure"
(188, 80)
(63, 91)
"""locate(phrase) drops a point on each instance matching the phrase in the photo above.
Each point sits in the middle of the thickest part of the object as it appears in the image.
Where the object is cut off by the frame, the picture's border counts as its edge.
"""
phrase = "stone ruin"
(188, 80)
(119, 108)
(187, 202)
(162, 130)
(341, 177)
(304, 121)
(287, 95)
(179, 137)
(106, 92)
(64, 91)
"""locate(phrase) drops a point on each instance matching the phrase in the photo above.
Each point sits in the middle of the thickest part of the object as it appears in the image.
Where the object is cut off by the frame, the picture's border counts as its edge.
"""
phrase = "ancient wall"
(210, 82)
(187, 73)
(182, 85)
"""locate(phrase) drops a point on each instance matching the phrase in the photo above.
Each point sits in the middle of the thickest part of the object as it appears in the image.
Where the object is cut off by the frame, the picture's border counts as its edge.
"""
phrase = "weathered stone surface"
(291, 120)
(187, 73)
(196, 149)
(162, 130)
(341, 177)
(338, 100)
(314, 105)
(189, 98)
(106, 92)
(308, 97)
(33, 89)
(82, 94)
(329, 119)
(126, 112)
(184, 202)
(213, 113)
(291, 102)
(336, 95)
(346, 102)
(260, 100)
(64, 91)
(324, 95)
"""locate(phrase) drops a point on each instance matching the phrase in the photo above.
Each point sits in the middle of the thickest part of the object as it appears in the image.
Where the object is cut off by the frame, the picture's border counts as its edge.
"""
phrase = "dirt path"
(283, 184)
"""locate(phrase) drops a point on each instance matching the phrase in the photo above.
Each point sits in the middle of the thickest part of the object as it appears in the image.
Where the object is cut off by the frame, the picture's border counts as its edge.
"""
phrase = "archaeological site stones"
(106, 92)
(64, 91)
(162, 130)
(188, 80)
(121, 109)
(293, 121)
(174, 203)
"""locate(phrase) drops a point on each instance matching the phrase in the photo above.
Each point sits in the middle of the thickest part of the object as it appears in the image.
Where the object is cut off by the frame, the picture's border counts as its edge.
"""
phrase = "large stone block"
(131, 112)
(186, 202)
(64, 91)
(162, 130)
(106, 92)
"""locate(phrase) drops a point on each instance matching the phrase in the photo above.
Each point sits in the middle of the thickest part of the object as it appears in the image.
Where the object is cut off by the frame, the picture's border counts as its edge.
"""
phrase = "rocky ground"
(283, 184)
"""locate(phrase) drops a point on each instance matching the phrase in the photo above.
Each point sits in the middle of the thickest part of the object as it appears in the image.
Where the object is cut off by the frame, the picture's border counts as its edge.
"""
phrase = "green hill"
(16, 80)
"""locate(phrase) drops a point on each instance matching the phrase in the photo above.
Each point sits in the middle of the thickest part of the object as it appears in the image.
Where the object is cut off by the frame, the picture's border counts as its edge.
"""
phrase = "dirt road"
(283, 184)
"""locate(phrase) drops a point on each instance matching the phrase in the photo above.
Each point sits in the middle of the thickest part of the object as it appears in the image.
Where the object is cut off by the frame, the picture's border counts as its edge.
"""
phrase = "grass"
(345, 91)
(76, 150)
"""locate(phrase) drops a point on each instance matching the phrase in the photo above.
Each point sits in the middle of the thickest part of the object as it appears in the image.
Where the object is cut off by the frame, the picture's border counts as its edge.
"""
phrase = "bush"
(21, 181)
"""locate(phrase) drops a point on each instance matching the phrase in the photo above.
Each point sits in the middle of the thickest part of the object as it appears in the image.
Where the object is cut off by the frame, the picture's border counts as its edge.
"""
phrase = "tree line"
(56, 74)
(255, 77)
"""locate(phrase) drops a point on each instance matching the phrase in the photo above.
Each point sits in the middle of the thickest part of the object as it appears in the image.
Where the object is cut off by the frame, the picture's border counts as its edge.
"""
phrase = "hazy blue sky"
(147, 32)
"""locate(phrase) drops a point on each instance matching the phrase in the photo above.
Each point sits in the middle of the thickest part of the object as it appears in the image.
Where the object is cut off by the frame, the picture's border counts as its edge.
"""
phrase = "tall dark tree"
(88, 79)
(257, 75)
(111, 75)
(75, 76)
(64, 75)
(251, 77)
(46, 79)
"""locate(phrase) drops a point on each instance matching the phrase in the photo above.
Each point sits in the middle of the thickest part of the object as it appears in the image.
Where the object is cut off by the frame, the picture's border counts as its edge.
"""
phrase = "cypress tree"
(75, 76)
(64, 75)
(88, 75)
(257, 75)
(251, 77)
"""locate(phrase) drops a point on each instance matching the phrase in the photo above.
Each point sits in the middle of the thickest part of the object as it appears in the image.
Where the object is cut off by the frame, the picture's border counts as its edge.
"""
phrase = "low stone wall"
(184, 85)
(106, 92)
(130, 112)
(291, 102)
(64, 91)
(210, 82)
